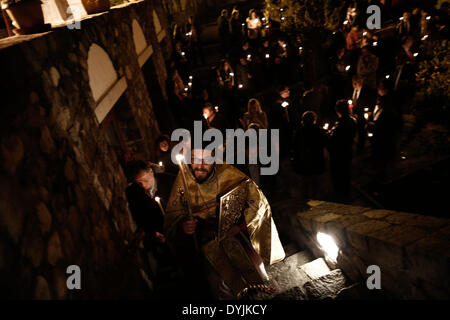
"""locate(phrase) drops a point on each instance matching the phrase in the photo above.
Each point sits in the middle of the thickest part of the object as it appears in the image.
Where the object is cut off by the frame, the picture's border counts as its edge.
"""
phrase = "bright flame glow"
(325, 126)
(216, 108)
(179, 157)
(401, 18)
(285, 104)
(350, 102)
(189, 84)
(366, 116)
(240, 86)
(366, 109)
(190, 77)
(416, 54)
(157, 199)
(425, 37)
(186, 89)
(283, 18)
(347, 68)
(249, 56)
(160, 164)
(388, 76)
(231, 74)
(370, 134)
(374, 43)
(364, 33)
(183, 53)
(428, 17)
(328, 245)
(267, 56)
(346, 21)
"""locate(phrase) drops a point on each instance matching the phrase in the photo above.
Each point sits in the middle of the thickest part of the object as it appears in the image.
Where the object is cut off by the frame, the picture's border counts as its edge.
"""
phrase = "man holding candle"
(251, 240)
(141, 195)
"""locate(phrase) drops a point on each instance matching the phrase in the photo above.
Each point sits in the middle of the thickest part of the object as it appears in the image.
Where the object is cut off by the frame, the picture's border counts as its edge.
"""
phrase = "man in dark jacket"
(340, 146)
(309, 159)
(224, 30)
(363, 101)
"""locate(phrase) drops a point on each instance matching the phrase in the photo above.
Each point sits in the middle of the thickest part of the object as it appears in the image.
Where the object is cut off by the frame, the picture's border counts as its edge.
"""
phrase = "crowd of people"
(259, 83)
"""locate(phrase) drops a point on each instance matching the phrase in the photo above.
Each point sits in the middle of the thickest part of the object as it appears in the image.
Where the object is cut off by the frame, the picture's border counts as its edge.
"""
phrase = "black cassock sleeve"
(144, 210)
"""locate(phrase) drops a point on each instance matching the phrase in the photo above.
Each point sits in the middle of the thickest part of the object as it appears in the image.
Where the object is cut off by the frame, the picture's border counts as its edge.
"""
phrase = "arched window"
(105, 86)
(143, 50)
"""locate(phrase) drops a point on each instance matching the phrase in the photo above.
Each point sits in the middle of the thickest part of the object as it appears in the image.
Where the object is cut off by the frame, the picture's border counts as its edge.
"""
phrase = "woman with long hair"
(255, 115)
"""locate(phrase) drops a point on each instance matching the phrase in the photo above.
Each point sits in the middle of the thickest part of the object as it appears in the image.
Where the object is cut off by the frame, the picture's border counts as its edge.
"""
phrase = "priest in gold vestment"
(225, 219)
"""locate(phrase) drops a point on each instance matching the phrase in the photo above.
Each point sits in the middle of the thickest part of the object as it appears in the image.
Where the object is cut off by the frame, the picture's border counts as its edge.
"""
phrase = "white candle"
(158, 200)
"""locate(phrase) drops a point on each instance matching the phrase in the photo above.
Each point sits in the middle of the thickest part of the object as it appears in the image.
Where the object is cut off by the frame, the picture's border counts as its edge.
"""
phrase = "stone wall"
(62, 188)
(412, 251)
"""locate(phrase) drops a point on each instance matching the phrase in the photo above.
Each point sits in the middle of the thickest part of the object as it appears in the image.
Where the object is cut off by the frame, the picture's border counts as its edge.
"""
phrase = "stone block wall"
(62, 189)
(412, 251)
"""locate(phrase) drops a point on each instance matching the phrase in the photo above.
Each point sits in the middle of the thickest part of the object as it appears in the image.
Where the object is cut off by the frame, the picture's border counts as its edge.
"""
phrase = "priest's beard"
(203, 178)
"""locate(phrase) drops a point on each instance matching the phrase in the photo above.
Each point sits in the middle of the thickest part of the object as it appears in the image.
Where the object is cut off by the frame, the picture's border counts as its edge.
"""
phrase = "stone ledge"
(406, 246)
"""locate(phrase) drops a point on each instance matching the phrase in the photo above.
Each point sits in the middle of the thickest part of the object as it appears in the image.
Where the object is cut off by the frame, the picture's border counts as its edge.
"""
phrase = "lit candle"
(350, 104)
(428, 17)
(186, 89)
(401, 18)
(267, 27)
(285, 104)
(366, 116)
(231, 74)
(263, 19)
(416, 54)
(326, 125)
(267, 56)
(374, 43)
(347, 68)
(160, 164)
(425, 37)
(249, 56)
(158, 200)
(190, 84)
(370, 134)
(388, 76)
(216, 108)
(183, 53)
(243, 24)
(190, 77)
(240, 86)
(281, 9)
(345, 22)
(366, 109)
(364, 33)
(283, 18)
(284, 45)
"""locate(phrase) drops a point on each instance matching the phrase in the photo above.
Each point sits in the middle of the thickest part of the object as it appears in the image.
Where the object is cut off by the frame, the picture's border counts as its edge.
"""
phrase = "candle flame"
(179, 157)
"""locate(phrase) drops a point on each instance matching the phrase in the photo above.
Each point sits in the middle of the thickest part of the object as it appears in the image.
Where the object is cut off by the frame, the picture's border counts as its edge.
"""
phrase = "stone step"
(327, 286)
(316, 268)
(287, 276)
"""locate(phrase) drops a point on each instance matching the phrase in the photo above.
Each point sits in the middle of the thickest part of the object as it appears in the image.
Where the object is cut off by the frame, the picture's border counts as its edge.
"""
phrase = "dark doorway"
(161, 108)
